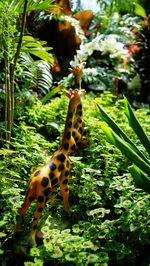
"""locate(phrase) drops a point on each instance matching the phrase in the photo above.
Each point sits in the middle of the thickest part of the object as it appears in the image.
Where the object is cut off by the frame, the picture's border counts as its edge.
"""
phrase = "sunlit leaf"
(134, 123)
(17, 5)
(126, 149)
(139, 10)
(50, 94)
(105, 117)
(140, 178)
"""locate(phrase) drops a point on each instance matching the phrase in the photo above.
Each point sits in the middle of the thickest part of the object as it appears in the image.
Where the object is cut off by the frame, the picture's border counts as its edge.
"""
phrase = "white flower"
(108, 45)
(113, 47)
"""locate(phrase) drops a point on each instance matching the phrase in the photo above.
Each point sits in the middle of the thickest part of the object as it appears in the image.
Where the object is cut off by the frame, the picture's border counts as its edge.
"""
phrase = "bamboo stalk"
(8, 102)
(8, 121)
(13, 67)
(6, 94)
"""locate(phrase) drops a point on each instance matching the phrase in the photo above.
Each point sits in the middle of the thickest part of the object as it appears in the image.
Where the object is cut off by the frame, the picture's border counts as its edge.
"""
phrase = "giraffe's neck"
(79, 111)
(66, 144)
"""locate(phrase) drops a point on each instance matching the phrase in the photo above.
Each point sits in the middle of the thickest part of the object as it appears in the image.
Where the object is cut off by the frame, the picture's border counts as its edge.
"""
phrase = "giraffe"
(56, 171)
(79, 129)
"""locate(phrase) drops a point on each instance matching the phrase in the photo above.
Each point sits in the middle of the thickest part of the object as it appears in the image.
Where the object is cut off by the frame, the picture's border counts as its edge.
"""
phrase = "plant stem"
(8, 102)
(8, 99)
(13, 67)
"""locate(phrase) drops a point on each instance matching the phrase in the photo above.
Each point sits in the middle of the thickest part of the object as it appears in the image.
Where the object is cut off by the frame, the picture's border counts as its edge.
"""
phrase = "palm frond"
(17, 5)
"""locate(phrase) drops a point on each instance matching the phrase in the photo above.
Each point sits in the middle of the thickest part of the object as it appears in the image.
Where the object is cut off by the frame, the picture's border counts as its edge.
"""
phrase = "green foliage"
(10, 47)
(135, 7)
(65, 247)
(37, 48)
(108, 222)
(36, 74)
(115, 135)
(7, 28)
(134, 123)
(107, 56)
(32, 5)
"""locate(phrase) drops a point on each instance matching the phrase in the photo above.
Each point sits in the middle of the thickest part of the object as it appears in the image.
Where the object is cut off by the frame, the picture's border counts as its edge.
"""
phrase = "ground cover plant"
(108, 222)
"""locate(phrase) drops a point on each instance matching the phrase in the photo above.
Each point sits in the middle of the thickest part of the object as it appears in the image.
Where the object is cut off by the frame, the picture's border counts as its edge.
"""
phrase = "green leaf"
(105, 117)
(134, 123)
(140, 178)
(42, 54)
(50, 94)
(54, 125)
(57, 253)
(139, 10)
(126, 149)
(37, 73)
(92, 258)
(35, 47)
(17, 5)
(40, 6)
(29, 41)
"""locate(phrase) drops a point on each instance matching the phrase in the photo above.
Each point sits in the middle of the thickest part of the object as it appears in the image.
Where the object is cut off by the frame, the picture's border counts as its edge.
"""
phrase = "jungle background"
(109, 218)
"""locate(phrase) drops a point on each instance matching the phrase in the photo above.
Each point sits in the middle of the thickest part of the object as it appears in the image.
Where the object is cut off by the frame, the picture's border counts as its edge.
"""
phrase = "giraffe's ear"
(82, 91)
(70, 70)
(68, 93)
(77, 68)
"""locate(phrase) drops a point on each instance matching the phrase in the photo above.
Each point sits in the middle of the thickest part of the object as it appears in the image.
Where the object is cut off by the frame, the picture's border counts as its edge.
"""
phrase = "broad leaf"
(42, 54)
(17, 5)
(140, 178)
(105, 117)
(50, 94)
(139, 10)
(125, 148)
(134, 123)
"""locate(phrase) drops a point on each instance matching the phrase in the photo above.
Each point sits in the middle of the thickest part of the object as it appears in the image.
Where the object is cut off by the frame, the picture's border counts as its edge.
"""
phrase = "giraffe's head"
(74, 95)
(77, 72)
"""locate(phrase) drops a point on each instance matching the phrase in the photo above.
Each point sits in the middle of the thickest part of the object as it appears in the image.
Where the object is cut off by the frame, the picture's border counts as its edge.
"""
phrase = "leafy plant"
(10, 50)
(133, 7)
(140, 169)
(106, 207)
(36, 74)
(37, 48)
(141, 57)
(67, 248)
(10, 61)
(108, 222)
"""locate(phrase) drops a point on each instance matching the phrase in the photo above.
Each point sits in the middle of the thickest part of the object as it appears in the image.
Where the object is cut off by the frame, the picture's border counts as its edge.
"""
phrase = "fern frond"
(37, 72)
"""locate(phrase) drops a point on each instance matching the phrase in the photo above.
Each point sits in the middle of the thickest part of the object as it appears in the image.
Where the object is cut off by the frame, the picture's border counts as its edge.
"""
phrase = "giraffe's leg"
(65, 192)
(39, 208)
(53, 194)
(30, 196)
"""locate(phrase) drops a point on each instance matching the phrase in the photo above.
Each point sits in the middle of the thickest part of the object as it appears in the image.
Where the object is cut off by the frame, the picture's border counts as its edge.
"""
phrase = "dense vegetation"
(108, 222)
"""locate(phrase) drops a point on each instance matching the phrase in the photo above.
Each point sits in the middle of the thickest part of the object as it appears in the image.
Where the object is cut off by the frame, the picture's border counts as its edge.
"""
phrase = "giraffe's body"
(57, 170)
(79, 129)
(44, 182)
